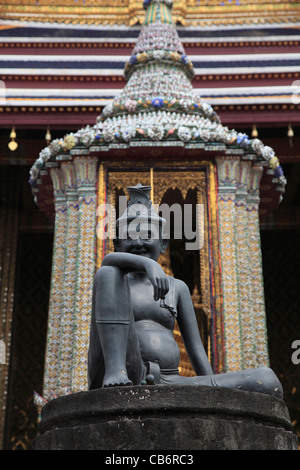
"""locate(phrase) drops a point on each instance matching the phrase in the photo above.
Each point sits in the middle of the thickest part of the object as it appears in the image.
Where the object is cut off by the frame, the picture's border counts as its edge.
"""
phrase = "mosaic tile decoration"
(73, 268)
(227, 174)
(245, 332)
(243, 261)
(158, 107)
(55, 303)
(258, 298)
(86, 171)
(67, 314)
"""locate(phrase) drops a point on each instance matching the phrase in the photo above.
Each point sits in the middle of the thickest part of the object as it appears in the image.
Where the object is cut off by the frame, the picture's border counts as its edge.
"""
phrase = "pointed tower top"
(158, 106)
(158, 40)
(158, 73)
(158, 10)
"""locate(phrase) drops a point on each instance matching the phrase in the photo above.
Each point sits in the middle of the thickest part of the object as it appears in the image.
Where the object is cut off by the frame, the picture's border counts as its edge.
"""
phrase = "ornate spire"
(158, 105)
(158, 73)
(159, 41)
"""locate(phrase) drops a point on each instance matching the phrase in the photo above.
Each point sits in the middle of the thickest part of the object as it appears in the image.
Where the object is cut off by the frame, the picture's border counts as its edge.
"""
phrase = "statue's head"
(140, 229)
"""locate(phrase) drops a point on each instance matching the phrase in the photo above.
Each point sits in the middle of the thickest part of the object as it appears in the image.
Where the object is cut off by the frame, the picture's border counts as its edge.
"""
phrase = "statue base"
(158, 417)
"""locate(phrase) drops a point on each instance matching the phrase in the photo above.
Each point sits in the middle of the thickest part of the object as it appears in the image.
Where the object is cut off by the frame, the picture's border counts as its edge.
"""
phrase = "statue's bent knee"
(107, 273)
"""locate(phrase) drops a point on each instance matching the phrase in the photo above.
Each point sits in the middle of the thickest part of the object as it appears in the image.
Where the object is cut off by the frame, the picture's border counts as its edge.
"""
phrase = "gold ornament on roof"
(13, 145)
(131, 12)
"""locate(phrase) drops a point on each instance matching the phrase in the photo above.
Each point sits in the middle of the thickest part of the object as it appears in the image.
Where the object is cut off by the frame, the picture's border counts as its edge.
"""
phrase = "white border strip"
(43, 93)
(120, 72)
(124, 58)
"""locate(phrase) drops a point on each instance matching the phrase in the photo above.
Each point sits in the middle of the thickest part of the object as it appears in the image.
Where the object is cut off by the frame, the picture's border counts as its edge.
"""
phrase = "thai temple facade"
(161, 119)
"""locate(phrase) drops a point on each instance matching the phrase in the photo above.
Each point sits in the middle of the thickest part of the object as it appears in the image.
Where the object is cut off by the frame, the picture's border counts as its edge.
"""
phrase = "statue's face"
(142, 239)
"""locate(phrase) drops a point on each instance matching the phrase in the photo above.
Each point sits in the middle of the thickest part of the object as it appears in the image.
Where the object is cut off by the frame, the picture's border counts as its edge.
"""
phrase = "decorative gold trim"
(100, 203)
(131, 12)
(216, 291)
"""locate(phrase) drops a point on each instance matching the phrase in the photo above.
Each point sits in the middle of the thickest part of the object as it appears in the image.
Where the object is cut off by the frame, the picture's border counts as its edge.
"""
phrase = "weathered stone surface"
(166, 418)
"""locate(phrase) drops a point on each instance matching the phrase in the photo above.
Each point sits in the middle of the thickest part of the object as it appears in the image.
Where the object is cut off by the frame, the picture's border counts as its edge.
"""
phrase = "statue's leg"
(261, 380)
(114, 357)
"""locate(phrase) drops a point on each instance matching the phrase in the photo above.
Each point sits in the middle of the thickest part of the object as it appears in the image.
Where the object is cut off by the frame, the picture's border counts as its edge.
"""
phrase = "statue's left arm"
(190, 332)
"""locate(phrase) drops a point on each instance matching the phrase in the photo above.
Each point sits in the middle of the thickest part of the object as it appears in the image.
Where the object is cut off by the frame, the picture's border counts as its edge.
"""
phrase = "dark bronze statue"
(134, 310)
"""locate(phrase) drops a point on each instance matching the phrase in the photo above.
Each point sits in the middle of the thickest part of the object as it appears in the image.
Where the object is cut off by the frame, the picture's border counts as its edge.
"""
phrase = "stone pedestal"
(165, 418)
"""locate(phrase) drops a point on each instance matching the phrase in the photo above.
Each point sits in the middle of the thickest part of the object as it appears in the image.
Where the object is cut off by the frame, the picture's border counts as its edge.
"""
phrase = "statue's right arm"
(128, 262)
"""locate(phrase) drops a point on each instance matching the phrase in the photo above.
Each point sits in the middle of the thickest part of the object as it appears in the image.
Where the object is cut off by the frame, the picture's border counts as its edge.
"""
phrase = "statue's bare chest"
(146, 308)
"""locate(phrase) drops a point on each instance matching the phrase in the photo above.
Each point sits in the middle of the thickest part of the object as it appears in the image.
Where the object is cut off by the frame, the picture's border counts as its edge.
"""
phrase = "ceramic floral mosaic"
(158, 104)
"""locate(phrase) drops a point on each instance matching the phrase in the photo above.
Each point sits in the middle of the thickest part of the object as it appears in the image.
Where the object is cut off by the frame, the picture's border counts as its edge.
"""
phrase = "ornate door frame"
(183, 176)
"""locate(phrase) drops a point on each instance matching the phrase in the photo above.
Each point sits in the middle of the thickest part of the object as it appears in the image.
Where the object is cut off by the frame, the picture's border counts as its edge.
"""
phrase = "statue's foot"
(116, 380)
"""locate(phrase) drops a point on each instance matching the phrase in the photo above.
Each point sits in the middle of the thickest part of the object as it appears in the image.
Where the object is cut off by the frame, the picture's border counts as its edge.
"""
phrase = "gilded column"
(101, 241)
(204, 257)
(67, 314)
(111, 199)
(217, 325)
(256, 272)
(228, 170)
(86, 173)
(243, 260)
(56, 295)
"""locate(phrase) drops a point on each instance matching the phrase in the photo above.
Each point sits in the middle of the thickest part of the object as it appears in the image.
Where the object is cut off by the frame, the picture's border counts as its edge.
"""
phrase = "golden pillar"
(67, 313)
(86, 174)
(228, 171)
(256, 272)
(243, 262)
(56, 295)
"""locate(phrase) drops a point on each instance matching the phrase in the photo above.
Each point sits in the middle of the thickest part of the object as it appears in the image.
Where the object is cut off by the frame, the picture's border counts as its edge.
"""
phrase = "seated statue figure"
(135, 305)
